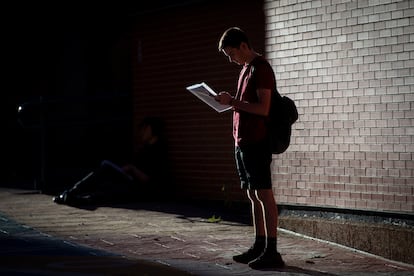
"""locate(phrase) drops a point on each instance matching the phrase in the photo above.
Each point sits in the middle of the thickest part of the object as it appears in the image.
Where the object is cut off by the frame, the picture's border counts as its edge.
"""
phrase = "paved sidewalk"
(25, 251)
(39, 237)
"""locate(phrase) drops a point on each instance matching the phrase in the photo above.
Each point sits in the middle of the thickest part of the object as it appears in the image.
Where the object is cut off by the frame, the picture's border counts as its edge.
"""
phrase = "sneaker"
(62, 198)
(248, 256)
(67, 197)
(268, 260)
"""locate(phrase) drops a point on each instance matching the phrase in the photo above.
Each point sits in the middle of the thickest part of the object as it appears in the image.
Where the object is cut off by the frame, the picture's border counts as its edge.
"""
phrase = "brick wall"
(349, 65)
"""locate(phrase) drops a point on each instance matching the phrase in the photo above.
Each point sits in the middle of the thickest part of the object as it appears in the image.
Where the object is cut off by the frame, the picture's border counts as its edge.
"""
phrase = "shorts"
(253, 165)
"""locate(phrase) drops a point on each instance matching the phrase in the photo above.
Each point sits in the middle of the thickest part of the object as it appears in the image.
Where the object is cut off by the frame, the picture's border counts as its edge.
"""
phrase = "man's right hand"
(224, 98)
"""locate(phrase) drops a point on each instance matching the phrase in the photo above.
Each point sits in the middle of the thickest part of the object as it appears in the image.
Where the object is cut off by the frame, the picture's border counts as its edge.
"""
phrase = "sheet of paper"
(206, 94)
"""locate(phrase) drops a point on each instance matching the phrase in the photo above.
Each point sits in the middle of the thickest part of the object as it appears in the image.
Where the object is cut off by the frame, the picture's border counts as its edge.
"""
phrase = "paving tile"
(171, 235)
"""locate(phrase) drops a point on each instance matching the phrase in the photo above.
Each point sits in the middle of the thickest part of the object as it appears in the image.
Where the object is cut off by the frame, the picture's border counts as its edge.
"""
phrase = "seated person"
(144, 177)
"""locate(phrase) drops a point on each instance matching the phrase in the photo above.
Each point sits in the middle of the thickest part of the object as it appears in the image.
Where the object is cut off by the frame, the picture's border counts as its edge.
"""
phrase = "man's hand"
(224, 98)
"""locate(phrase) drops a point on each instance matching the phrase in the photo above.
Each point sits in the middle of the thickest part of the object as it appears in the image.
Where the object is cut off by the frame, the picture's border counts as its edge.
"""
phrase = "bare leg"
(270, 258)
(269, 211)
(259, 229)
(257, 213)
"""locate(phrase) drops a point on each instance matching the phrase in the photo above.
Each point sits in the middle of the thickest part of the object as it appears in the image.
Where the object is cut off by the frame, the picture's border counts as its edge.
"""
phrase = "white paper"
(206, 94)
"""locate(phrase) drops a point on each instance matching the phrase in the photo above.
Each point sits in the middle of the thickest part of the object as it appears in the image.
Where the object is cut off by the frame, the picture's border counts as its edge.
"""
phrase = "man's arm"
(262, 107)
(135, 173)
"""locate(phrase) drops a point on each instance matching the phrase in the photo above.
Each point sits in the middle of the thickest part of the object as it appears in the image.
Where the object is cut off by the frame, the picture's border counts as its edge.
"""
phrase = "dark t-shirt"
(250, 128)
(152, 160)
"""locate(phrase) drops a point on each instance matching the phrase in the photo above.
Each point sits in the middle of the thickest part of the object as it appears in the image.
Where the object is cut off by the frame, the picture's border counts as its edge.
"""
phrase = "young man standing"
(251, 106)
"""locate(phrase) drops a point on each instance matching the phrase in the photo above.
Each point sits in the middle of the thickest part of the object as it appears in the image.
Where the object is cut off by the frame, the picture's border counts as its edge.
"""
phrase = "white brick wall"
(349, 65)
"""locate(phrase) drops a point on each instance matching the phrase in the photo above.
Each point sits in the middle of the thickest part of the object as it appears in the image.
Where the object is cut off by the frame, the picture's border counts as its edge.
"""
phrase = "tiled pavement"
(39, 237)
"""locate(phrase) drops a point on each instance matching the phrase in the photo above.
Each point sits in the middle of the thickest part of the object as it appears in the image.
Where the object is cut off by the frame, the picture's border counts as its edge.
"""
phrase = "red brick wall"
(349, 65)
(174, 47)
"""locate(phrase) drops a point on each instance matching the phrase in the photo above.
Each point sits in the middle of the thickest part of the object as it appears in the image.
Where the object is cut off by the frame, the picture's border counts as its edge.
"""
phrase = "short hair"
(233, 37)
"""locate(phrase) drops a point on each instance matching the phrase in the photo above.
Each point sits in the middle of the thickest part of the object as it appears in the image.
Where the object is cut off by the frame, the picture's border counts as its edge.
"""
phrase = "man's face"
(234, 55)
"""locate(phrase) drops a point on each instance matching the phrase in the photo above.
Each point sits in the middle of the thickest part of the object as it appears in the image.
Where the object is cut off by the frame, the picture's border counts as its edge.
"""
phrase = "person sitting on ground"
(144, 177)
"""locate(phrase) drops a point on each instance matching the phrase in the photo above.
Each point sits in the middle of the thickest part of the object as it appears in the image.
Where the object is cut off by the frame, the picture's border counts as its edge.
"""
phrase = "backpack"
(283, 114)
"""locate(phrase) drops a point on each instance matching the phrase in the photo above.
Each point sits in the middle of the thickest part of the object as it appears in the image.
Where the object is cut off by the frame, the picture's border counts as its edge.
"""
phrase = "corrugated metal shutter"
(175, 47)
